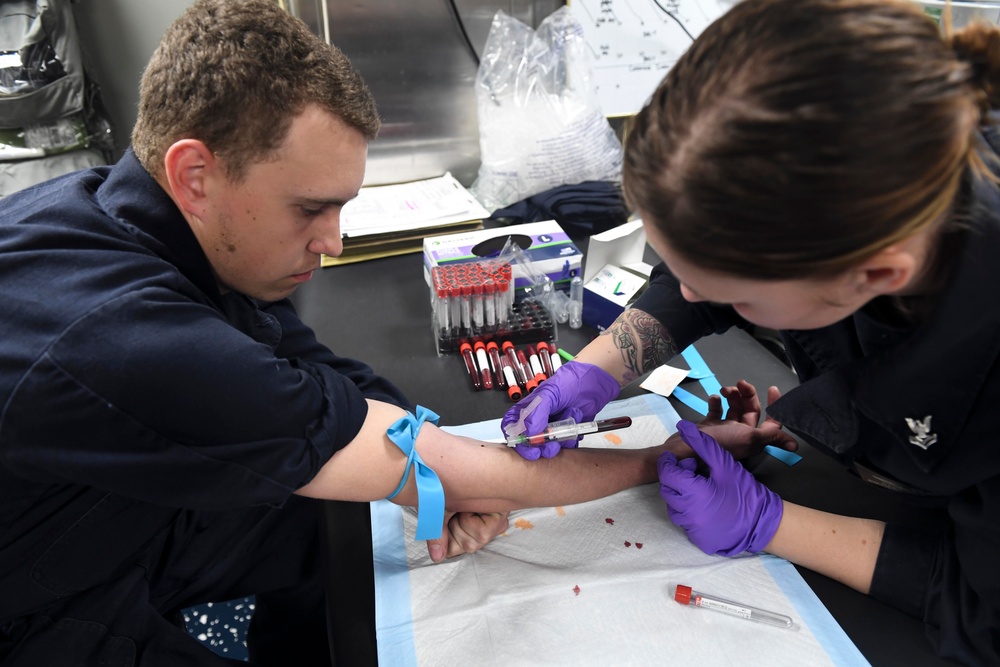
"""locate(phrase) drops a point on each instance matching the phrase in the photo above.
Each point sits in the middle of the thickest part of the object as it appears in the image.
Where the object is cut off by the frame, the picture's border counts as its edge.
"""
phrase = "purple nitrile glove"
(726, 513)
(576, 391)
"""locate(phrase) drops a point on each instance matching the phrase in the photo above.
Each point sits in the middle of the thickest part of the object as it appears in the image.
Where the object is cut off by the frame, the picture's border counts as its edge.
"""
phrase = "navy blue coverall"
(912, 409)
(152, 432)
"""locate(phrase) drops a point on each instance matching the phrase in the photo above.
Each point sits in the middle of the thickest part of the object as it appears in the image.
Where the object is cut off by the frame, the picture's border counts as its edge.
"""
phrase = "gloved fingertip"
(527, 452)
(666, 459)
(549, 449)
(703, 444)
(687, 429)
(689, 464)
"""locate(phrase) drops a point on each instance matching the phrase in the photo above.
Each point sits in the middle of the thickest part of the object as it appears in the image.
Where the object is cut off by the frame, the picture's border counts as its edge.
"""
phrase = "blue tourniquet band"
(430, 493)
(708, 381)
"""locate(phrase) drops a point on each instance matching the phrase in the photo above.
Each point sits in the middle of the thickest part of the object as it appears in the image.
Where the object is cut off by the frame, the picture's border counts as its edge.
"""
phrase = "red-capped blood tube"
(536, 364)
(546, 358)
(490, 303)
(515, 365)
(477, 306)
(529, 378)
(470, 365)
(484, 364)
(555, 358)
(513, 388)
(496, 364)
(467, 306)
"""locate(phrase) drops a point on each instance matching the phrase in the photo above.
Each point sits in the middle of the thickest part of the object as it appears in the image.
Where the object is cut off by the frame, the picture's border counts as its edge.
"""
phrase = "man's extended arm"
(476, 476)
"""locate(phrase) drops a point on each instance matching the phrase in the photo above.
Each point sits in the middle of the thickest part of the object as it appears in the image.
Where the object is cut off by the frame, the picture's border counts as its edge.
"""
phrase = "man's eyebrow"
(322, 201)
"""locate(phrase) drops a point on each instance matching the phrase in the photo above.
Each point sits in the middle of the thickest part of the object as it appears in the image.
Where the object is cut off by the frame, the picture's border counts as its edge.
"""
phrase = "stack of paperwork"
(387, 220)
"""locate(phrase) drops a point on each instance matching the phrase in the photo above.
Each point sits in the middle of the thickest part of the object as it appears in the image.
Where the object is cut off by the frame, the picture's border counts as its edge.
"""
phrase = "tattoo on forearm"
(643, 342)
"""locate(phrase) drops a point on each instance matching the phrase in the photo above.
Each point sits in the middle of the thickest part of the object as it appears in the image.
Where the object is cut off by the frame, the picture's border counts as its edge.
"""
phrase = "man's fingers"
(714, 407)
(751, 401)
(438, 549)
(771, 433)
(471, 531)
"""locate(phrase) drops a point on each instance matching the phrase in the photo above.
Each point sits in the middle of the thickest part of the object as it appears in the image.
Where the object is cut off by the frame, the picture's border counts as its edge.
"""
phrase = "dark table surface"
(379, 311)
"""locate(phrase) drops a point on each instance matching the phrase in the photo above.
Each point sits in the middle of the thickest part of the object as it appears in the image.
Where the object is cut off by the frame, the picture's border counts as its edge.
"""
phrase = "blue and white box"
(615, 273)
(545, 244)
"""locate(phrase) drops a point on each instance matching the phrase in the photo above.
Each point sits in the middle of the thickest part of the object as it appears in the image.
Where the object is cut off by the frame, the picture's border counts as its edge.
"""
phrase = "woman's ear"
(887, 272)
(188, 167)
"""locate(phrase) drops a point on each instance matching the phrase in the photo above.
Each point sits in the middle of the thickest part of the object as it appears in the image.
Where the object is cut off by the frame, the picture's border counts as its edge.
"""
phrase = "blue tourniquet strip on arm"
(430, 493)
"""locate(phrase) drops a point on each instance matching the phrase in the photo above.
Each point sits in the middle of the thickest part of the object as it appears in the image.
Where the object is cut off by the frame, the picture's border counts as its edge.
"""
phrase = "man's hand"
(739, 433)
(466, 533)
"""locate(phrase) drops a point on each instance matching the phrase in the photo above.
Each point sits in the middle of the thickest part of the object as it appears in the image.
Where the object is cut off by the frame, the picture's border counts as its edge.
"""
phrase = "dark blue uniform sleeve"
(299, 342)
(686, 322)
(160, 399)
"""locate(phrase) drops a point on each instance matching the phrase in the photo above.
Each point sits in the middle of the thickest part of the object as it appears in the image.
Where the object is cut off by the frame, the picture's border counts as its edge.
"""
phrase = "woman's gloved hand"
(726, 513)
(576, 391)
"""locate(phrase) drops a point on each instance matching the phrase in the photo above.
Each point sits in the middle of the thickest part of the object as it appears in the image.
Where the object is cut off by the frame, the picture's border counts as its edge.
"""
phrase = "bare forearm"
(842, 548)
(476, 476)
(633, 345)
(502, 481)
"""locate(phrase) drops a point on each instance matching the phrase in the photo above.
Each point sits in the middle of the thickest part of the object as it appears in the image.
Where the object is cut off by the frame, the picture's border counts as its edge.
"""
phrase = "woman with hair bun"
(828, 169)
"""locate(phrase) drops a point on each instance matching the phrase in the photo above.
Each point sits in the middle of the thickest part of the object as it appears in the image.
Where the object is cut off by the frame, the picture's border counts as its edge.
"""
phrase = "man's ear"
(887, 272)
(188, 167)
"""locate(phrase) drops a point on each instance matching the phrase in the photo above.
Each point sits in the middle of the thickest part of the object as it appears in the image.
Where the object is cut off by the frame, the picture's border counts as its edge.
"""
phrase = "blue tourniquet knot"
(430, 493)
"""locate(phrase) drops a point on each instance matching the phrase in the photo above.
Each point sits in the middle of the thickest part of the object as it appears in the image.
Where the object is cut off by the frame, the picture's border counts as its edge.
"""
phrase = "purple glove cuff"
(771, 511)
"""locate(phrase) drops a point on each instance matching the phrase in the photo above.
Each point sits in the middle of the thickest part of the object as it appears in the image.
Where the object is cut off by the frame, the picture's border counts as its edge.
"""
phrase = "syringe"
(568, 429)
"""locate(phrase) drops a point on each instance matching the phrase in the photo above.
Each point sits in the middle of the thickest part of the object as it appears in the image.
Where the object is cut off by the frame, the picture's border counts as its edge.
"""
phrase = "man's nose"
(328, 240)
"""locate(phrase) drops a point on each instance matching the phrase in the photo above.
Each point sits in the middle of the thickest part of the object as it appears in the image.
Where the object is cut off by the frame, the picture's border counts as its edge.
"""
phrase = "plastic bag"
(540, 125)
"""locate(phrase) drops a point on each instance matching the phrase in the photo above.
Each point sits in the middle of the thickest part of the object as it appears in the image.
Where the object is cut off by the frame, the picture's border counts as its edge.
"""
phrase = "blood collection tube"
(477, 306)
(513, 388)
(484, 364)
(515, 365)
(568, 429)
(575, 307)
(455, 306)
(555, 358)
(470, 365)
(466, 306)
(490, 303)
(536, 365)
(496, 364)
(685, 595)
(546, 358)
(442, 309)
(530, 383)
(503, 308)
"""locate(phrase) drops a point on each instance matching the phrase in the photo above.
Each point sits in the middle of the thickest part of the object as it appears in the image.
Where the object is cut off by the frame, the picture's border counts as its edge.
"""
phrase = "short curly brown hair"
(234, 74)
